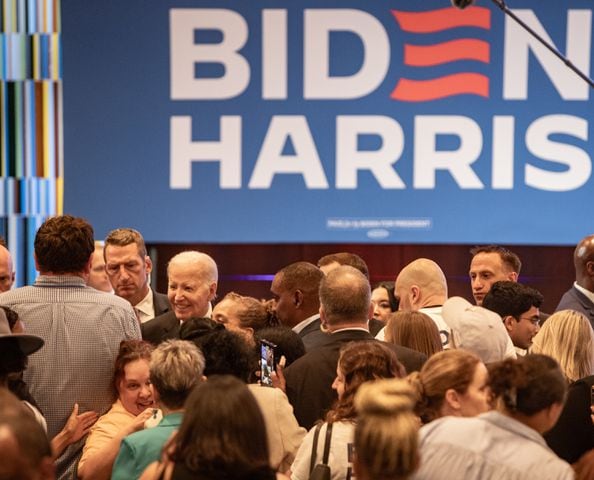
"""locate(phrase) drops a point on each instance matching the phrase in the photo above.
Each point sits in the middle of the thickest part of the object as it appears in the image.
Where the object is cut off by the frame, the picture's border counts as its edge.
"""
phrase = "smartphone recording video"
(266, 362)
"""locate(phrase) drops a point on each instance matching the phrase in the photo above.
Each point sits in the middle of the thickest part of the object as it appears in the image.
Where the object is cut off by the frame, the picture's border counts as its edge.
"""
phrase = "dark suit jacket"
(163, 327)
(309, 378)
(160, 303)
(573, 299)
(312, 336)
(375, 326)
(573, 434)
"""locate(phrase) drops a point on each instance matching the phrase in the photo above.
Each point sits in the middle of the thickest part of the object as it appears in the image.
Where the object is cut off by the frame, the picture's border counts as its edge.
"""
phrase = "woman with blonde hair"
(386, 434)
(567, 337)
(451, 382)
(414, 330)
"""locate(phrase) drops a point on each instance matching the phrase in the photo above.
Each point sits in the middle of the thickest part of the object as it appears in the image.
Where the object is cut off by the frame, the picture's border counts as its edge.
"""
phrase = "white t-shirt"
(340, 458)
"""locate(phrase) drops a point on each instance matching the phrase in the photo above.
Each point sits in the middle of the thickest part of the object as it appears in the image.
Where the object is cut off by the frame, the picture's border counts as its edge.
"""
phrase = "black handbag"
(321, 471)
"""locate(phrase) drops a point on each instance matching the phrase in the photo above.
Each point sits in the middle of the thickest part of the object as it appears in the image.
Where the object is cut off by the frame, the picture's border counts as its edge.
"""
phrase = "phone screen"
(266, 362)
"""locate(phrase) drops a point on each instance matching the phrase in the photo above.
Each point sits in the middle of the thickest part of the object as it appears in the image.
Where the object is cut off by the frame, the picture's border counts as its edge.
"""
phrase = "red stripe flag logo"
(460, 83)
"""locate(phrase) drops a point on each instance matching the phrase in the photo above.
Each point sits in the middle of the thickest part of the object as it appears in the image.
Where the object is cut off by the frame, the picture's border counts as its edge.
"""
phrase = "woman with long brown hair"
(222, 436)
(414, 330)
(359, 362)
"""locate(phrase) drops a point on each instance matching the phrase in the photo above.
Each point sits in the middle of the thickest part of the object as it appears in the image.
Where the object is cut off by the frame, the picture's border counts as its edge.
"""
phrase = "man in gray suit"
(128, 267)
(580, 297)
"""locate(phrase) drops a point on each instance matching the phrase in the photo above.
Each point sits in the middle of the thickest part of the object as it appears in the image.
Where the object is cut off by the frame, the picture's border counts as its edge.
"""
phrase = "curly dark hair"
(64, 244)
(361, 362)
(527, 385)
(511, 298)
(227, 353)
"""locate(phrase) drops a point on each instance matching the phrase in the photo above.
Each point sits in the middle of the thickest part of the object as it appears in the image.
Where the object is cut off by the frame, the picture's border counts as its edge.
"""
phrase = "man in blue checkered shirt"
(82, 329)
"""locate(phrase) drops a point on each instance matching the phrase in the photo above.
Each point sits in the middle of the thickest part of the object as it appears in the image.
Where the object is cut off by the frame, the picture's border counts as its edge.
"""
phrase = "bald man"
(334, 260)
(421, 286)
(6, 270)
(345, 306)
(580, 297)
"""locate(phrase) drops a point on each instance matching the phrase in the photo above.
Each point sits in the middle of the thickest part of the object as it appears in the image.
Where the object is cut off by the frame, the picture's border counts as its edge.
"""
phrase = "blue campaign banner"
(329, 121)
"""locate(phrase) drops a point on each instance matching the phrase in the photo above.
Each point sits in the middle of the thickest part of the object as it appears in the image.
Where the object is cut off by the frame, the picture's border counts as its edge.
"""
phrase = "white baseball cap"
(477, 329)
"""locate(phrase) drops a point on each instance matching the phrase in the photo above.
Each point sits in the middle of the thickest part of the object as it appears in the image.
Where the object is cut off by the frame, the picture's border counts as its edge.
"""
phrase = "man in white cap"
(477, 329)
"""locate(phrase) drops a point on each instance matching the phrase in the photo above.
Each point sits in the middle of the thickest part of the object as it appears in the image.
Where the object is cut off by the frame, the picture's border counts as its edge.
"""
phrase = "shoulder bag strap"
(314, 448)
(327, 443)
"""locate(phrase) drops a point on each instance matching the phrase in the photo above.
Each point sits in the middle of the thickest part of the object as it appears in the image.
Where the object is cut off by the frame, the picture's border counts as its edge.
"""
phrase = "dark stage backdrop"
(248, 269)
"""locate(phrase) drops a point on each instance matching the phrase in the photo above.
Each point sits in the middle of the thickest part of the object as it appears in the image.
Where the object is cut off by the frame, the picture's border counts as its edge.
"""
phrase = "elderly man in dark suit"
(345, 298)
(580, 297)
(192, 285)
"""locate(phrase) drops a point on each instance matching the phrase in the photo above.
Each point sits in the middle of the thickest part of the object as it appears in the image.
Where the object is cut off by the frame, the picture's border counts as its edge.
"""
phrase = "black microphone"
(462, 4)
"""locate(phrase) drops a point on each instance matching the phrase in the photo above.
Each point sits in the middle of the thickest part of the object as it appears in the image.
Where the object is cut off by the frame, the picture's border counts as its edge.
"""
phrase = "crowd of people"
(103, 377)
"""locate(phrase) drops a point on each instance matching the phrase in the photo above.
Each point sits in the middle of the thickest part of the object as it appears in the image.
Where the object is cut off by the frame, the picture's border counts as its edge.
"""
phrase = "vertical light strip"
(31, 27)
(3, 129)
(35, 57)
(60, 149)
(45, 108)
(18, 130)
(44, 25)
(3, 212)
(29, 128)
(31, 138)
(21, 17)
